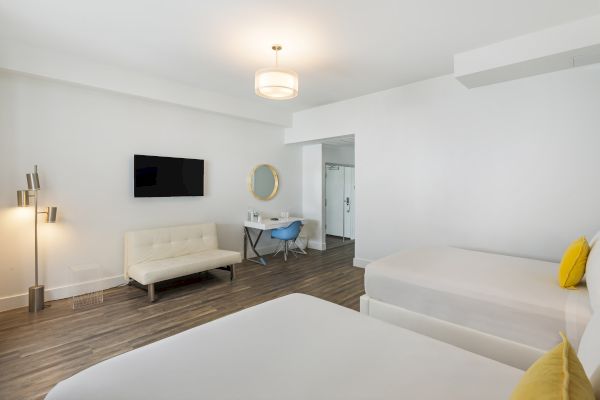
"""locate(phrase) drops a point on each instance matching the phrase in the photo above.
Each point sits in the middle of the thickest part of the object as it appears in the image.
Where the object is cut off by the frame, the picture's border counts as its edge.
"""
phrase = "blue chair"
(288, 236)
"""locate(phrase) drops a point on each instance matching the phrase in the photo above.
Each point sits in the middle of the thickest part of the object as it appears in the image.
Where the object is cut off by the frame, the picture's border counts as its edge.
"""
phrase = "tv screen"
(167, 176)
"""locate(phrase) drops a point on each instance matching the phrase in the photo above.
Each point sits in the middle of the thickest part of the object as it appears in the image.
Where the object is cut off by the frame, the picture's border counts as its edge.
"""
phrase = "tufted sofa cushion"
(161, 270)
(142, 248)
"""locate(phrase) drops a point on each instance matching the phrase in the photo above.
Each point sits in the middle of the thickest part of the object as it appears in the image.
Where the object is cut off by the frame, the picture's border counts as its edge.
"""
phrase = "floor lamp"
(36, 292)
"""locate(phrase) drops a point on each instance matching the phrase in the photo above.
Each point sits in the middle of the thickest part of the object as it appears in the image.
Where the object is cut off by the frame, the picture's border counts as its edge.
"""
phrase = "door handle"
(347, 204)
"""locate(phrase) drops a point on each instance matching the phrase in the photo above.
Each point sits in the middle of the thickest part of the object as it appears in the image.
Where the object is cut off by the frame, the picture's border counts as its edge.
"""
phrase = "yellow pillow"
(572, 266)
(558, 374)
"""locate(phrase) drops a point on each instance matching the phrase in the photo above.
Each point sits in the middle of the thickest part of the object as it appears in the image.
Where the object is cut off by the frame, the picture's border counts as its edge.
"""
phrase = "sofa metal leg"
(232, 272)
(151, 293)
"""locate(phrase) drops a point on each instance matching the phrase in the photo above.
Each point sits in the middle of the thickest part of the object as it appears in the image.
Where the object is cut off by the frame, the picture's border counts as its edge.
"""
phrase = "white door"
(349, 202)
(334, 200)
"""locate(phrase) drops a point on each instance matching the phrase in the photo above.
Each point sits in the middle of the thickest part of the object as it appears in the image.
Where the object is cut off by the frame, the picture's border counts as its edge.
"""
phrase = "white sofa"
(155, 255)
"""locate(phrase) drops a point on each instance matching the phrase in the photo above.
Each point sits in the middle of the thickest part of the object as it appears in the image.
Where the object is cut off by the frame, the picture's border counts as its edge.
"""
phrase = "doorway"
(339, 204)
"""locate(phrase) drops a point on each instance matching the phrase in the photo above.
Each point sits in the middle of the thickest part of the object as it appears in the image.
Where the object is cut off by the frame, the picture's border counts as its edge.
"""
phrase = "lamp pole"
(36, 292)
(35, 207)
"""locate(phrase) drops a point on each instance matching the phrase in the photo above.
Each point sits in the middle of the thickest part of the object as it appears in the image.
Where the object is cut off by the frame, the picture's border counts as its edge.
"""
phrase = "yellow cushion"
(558, 374)
(572, 266)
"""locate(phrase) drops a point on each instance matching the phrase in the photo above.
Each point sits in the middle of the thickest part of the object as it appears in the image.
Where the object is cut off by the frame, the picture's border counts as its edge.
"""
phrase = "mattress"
(294, 347)
(513, 298)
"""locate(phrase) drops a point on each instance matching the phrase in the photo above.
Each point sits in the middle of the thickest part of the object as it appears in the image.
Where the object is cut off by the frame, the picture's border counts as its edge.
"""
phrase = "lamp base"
(36, 298)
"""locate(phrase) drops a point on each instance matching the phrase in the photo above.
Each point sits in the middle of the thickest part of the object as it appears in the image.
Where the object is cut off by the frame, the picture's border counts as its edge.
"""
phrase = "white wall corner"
(360, 262)
(63, 292)
(312, 193)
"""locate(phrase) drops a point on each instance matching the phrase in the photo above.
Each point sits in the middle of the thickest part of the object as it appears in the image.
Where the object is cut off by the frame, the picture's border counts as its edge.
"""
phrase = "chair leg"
(279, 248)
(285, 251)
(296, 249)
(232, 272)
(151, 293)
(291, 249)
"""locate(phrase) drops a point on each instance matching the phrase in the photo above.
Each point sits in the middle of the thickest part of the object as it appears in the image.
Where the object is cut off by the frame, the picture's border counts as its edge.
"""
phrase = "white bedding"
(513, 298)
(295, 347)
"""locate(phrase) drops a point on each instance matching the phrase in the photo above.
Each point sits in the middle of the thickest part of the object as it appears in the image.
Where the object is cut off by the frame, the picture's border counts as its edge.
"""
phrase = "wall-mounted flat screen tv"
(167, 176)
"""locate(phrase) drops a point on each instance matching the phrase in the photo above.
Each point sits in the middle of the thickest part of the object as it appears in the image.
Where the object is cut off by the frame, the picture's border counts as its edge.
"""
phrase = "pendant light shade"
(276, 83)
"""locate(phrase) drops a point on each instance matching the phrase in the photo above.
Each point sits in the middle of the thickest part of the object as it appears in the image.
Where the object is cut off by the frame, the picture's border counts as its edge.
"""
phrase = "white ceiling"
(341, 48)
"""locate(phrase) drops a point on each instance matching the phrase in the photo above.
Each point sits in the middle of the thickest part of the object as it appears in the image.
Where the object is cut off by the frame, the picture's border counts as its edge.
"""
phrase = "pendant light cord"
(276, 48)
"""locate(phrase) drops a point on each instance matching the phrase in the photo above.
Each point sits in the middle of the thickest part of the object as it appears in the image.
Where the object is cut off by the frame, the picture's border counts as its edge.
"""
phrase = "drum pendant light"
(276, 83)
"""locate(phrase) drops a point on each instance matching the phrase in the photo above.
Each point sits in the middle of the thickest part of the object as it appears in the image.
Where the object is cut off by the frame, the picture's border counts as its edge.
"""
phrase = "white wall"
(511, 168)
(83, 140)
(312, 194)
(338, 154)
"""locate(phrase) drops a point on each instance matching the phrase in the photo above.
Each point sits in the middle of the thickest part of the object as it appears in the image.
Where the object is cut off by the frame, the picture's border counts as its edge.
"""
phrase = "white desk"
(265, 225)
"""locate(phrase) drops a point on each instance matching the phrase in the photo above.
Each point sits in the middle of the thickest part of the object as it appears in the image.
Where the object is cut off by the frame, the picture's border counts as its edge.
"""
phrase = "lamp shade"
(22, 198)
(33, 181)
(51, 214)
(276, 83)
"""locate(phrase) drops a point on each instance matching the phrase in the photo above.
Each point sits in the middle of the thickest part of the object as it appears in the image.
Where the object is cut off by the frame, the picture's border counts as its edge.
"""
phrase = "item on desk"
(274, 219)
(250, 214)
(255, 216)
(285, 214)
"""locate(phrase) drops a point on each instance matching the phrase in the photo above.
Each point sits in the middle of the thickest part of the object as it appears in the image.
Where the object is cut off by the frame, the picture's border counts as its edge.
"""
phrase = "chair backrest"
(290, 232)
(175, 241)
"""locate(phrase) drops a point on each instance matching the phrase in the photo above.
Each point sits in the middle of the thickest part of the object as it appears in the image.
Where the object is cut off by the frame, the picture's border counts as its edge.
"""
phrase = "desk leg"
(245, 243)
(259, 259)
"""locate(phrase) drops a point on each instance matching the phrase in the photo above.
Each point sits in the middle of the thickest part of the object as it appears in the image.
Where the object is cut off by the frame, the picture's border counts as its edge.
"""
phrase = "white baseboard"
(62, 292)
(316, 245)
(360, 262)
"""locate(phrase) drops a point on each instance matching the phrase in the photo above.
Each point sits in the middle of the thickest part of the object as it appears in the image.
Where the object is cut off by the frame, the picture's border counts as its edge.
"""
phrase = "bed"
(294, 347)
(506, 308)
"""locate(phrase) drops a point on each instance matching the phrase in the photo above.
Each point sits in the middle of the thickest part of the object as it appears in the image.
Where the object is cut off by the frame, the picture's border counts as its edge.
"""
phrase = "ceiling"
(340, 48)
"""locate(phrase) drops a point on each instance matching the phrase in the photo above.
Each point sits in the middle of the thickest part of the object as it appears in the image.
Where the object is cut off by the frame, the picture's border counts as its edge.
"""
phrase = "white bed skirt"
(503, 350)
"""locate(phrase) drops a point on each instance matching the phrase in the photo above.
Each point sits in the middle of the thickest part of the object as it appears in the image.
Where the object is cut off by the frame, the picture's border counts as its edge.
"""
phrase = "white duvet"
(295, 347)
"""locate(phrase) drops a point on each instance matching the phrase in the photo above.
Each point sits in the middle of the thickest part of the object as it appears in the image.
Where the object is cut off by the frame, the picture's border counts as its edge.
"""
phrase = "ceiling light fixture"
(274, 82)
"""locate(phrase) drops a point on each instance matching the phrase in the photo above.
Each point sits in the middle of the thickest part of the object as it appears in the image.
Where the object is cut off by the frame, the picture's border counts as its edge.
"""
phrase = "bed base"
(503, 350)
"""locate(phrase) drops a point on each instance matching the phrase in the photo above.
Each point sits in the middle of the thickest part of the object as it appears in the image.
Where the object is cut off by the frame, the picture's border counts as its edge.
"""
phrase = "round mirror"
(263, 182)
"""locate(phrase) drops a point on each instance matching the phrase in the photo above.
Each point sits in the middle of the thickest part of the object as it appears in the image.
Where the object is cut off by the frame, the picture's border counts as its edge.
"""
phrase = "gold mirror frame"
(275, 185)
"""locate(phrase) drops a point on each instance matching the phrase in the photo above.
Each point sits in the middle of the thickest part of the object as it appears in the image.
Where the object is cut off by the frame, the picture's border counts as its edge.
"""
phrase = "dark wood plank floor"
(331, 242)
(39, 350)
